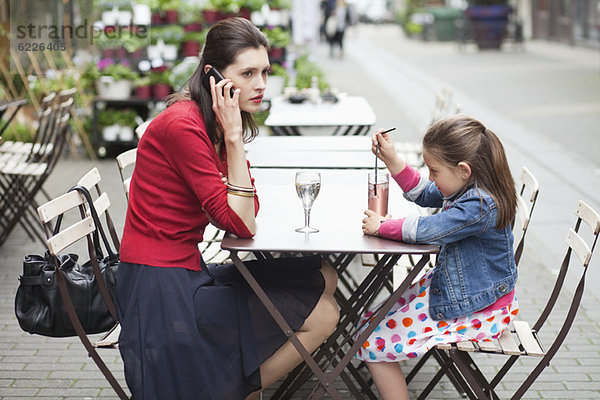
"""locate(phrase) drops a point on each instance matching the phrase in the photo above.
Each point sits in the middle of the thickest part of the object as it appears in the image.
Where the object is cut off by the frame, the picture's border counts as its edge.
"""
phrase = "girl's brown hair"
(462, 138)
(224, 41)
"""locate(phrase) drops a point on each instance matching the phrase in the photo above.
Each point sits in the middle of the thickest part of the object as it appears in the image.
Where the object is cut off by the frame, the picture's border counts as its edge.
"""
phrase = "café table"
(337, 213)
(309, 159)
(323, 152)
(5, 105)
(309, 143)
(351, 115)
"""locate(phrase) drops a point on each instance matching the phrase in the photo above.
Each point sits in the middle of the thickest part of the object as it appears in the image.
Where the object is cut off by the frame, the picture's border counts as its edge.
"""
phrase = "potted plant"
(143, 88)
(216, 10)
(280, 4)
(279, 39)
(249, 6)
(278, 14)
(117, 124)
(189, 17)
(278, 79)
(170, 9)
(305, 70)
(165, 41)
(115, 80)
(161, 85)
(489, 21)
(133, 44)
(181, 73)
(110, 45)
(192, 42)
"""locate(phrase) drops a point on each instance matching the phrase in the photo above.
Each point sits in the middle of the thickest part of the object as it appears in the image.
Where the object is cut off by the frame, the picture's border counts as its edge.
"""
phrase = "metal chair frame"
(523, 340)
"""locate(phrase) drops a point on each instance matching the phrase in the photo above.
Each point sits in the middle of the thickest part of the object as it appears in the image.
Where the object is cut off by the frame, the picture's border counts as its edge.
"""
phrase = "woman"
(197, 331)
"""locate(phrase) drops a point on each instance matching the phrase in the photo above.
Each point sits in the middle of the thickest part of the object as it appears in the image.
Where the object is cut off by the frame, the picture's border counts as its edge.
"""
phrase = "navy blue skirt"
(204, 334)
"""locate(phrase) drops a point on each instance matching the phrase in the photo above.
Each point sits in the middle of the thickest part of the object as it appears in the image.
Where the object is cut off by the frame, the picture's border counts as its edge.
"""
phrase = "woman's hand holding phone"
(225, 104)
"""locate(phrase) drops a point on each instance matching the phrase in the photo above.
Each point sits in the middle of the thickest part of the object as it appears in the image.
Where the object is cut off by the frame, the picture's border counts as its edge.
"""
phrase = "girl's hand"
(372, 221)
(227, 109)
(387, 152)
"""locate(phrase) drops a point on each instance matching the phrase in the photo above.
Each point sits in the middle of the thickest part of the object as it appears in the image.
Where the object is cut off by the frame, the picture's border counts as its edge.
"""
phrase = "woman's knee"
(329, 314)
(330, 276)
(324, 317)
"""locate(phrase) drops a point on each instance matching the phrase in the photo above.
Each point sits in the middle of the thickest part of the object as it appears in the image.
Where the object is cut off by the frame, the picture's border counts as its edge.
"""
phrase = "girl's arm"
(470, 215)
(387, 152)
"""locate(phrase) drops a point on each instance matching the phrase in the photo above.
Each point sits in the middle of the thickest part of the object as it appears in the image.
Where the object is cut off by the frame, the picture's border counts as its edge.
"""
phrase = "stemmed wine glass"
(308, 185)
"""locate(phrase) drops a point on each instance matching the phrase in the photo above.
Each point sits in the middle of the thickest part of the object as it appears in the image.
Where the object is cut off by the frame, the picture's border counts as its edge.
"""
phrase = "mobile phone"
(217, 75)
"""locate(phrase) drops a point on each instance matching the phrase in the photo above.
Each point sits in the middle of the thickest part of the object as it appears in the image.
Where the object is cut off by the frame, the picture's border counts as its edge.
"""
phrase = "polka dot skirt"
(408, 331)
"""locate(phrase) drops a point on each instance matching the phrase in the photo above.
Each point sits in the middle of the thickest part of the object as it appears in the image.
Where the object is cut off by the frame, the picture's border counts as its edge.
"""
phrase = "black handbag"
(42, 309)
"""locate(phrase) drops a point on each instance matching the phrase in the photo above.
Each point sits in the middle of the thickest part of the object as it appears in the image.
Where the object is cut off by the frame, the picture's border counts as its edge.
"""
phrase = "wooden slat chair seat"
(516, 341)
(522, 339)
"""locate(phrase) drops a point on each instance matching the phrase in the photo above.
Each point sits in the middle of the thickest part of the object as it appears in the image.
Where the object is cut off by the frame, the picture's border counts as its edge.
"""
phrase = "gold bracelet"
(239, 193)
(241, 188)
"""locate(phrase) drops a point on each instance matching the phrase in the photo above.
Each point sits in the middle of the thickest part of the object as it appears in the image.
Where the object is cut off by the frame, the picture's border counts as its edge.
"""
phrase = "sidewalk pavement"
(400, 79)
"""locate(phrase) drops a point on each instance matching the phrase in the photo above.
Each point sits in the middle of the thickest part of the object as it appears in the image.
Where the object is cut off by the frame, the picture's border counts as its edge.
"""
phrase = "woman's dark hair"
(462, 138)
(224, 41)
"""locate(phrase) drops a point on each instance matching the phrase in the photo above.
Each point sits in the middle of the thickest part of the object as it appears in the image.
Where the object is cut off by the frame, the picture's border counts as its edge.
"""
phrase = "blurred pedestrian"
(327, 7)
(336, 26)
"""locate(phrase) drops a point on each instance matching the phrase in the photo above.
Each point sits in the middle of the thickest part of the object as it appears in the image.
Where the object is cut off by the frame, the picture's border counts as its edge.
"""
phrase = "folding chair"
(523, 340)
(83, 228)
(126, 162)
(21, 180)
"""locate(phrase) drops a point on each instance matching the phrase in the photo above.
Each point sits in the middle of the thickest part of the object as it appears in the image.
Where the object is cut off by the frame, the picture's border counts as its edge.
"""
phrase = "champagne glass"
(308, 185)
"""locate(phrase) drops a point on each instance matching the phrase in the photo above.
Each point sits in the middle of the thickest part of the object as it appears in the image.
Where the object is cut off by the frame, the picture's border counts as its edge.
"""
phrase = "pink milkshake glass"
(378, 195)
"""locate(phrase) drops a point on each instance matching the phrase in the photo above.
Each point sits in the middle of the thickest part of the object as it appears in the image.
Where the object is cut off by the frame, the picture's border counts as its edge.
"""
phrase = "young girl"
(469, 295)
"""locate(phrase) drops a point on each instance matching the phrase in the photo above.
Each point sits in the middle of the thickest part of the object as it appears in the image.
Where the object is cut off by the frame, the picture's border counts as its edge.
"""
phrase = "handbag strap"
(64, 293)
(94, 251)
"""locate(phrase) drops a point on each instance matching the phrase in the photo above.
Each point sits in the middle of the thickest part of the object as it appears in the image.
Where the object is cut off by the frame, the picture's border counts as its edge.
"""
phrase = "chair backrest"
(45, 124)
(584, 250)
(139, 131)
(91, 181)
(52, 138)
(51, 210)
(526, 199)
(66, 94)
(125, 160)
(444, 105)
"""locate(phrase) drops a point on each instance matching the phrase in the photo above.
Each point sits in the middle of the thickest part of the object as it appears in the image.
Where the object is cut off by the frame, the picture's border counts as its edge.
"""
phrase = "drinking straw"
(376, 153)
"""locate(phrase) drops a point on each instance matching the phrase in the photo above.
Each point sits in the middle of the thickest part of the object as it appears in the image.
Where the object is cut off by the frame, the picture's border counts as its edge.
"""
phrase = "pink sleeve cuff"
(391, 229)
(408, 178)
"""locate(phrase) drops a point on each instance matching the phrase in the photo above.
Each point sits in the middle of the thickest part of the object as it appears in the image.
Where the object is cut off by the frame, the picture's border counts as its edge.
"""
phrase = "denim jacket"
(475, 265)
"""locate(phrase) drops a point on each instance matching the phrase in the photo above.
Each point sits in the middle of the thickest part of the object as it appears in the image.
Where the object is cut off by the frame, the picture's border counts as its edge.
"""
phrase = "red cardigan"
(176, 180)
